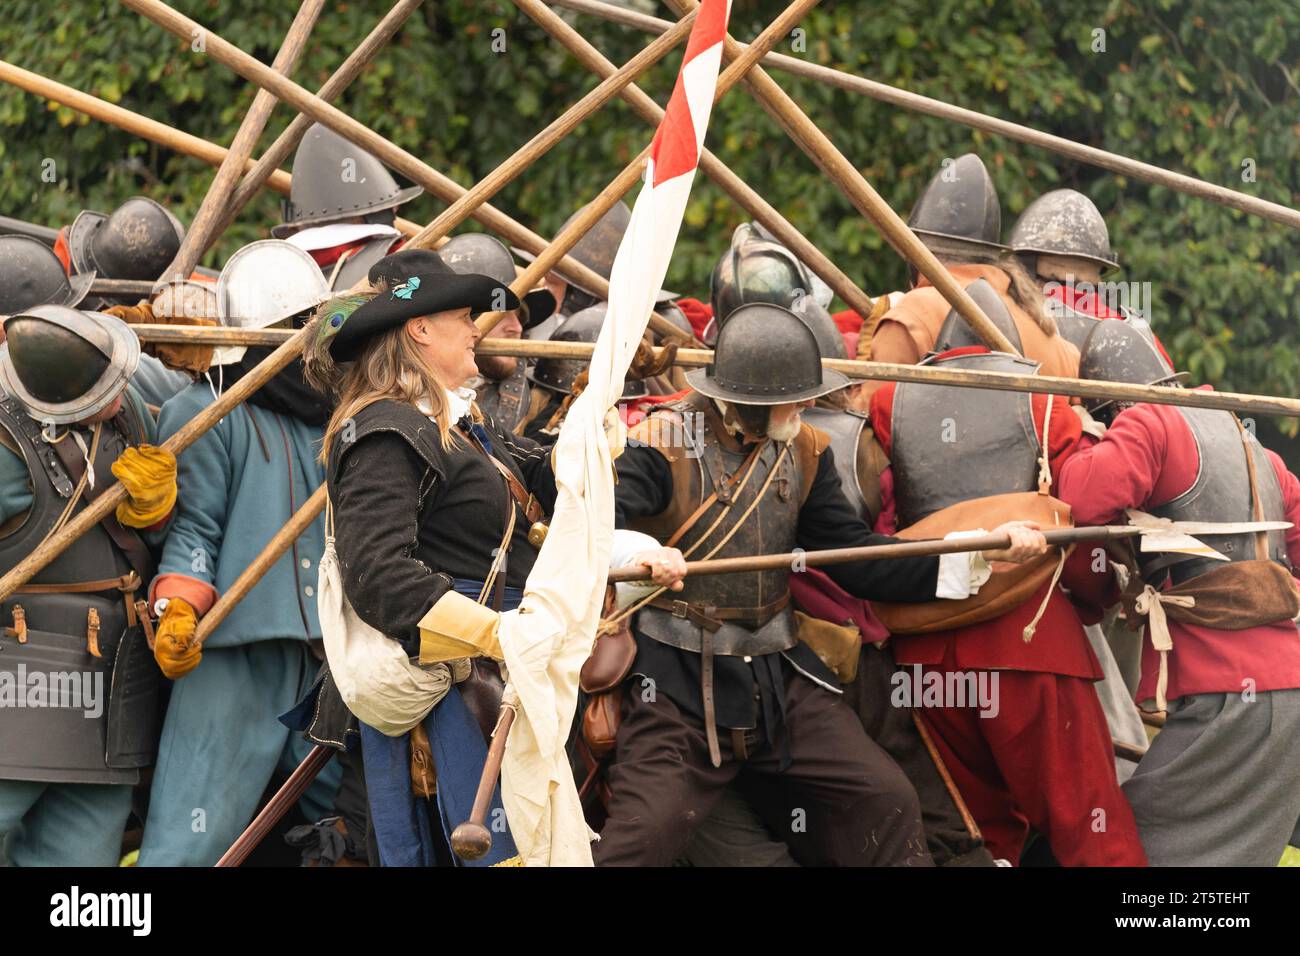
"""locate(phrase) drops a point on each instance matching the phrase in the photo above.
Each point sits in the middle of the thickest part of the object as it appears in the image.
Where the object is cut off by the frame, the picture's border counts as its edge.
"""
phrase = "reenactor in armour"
(1062, 239)
(1220, 784)
(342, 207)
(959, 220)
(78, 685)
(502, 387)
(720, 679)
(1037, 751)
(240, 481)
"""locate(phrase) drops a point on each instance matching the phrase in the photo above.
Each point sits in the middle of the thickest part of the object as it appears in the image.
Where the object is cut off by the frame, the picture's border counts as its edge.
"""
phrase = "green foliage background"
(1199, 86)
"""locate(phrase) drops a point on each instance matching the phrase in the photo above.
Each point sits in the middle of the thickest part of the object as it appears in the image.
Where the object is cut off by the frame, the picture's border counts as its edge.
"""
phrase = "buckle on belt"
(680, 609)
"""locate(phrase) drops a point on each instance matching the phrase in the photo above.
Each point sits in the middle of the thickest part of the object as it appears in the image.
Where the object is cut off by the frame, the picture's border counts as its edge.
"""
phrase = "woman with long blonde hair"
(429, 499)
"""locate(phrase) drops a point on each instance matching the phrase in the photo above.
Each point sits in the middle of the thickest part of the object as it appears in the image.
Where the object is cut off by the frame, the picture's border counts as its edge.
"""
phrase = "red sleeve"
(1118, 472)
(882, 416)
(697, 313)
(1291, 508)
(847, 321)
(1066, 429)
(887, 520)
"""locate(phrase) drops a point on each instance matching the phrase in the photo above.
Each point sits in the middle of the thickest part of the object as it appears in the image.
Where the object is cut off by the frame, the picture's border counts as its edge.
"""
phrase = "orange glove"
(149, 475)
(194, 359)
(174, 647)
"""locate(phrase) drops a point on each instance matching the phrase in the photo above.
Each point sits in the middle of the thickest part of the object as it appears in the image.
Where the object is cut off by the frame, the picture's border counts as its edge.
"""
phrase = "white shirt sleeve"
(963, 573)
(626, 545)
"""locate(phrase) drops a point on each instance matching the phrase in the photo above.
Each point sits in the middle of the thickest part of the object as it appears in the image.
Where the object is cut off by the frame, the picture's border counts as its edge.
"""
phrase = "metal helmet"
(334, 179)
(1064, 222)
(819, 290)
(676, 316)
(766, 355)
(263, 283)
(31, 274)
(960, 203)
(829, 340)
(137, 240)
(480, 254)
(598, 247)
(756, 269)
(956, 333)
(65, 365)
(1123, 351)
(558, 375)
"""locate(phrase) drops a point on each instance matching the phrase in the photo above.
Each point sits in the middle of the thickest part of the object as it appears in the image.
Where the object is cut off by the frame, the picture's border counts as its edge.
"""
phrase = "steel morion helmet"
(479, 254)
(1123, 351)
(31, 274)
(137, 240)
(960, 204)
(263, 283)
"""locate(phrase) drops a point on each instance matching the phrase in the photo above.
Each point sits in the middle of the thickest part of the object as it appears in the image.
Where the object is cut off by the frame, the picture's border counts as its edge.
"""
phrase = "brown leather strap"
(532, 509)
(128, 542)
(706, 689)
(708, 502)
(1257, 506)
(710, 617)
(126, 583)
(738, 746)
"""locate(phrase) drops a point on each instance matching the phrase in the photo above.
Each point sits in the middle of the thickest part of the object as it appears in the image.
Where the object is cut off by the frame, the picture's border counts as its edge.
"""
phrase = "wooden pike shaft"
(536, 147)
(147, 129)
(393, 156)
(778, 104)
(107, 502)
(710, 165)
(277, 806)
(257, 568)
(876, 552)
(856, 369)
(472, 839)
(732, 75)
(340, 80)
(1103, 159)
(203, 227)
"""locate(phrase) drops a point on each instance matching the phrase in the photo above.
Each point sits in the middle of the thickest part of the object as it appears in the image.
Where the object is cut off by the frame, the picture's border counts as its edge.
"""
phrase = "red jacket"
(1059, 645)
(1149, 457)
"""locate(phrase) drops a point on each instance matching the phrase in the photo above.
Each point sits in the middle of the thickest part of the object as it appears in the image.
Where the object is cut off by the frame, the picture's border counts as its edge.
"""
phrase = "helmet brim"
(700, 380)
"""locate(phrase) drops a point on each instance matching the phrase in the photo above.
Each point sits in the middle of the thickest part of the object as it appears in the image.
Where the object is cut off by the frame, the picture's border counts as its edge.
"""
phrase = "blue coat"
(238, 485)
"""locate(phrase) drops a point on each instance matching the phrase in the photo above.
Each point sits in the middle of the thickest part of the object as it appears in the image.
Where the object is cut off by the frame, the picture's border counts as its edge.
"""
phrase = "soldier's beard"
(756, 421)
(496, 368)
(786, 430)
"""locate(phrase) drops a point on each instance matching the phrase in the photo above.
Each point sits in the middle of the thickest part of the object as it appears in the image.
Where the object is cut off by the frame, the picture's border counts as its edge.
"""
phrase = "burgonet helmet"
(1064, 222)
(960, 204)
(757, 268)
(956, 333)
(65, 365)
(479, 254)
(765, 355)
(31, 275)
(137, 240)
(334, 179)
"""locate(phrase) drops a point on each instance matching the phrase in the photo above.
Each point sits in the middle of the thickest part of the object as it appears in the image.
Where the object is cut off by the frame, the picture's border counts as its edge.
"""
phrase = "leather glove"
(194, 359)
(457, 626)
(174, 648)
(149, 475)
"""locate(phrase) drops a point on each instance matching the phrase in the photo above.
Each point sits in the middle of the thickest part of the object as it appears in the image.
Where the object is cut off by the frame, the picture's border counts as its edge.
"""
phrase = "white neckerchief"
(459, 403)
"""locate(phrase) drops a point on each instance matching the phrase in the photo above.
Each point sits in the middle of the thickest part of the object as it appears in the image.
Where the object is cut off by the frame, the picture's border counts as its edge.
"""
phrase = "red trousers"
(1045, 760)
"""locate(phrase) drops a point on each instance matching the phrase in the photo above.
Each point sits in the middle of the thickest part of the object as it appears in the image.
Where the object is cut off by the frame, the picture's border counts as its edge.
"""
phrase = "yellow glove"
(174, 648)
(149, 475)
(457, 626)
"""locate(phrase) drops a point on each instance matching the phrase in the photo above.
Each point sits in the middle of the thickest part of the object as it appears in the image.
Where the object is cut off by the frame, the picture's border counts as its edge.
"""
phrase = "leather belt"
(705, 614)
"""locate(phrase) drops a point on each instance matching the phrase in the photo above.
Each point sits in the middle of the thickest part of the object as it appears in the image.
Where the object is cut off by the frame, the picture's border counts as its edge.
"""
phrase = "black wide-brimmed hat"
(433, 288)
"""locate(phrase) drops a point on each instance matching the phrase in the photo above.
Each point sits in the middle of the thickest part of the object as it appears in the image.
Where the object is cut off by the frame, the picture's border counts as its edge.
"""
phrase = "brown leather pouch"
(838, 645)
(611, 656)
(600, 722)
(1231, 597)
(1009, 586)
(424, 779)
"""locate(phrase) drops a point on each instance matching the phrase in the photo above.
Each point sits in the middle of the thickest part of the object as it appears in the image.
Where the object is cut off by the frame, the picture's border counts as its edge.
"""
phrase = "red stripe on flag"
(674, 149)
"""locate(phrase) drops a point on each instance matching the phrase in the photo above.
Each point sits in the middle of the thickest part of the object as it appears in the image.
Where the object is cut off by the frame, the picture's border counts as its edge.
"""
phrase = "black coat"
(409, 515)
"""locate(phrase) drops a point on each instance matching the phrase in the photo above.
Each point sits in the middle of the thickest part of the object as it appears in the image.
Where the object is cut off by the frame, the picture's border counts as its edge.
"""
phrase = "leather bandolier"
(845, 428)
(733, 615)
(357, 265)
(76, 624)
(506, 401)
(955, 444)
(1221, 492)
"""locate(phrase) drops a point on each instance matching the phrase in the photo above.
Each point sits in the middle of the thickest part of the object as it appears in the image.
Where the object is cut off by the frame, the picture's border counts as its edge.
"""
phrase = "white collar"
(459, 403)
